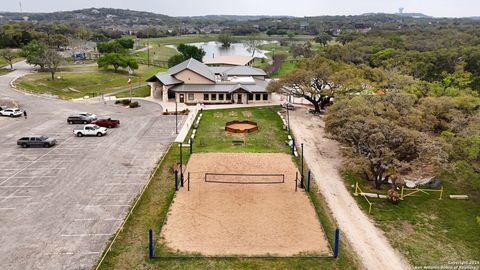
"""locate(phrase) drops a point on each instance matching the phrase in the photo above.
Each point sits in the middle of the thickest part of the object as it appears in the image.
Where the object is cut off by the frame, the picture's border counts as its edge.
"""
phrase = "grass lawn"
(211, 135)
(143, 91)
(4, 71)
(130, 250)
(77, 82)
(284, 68)
(426, 230)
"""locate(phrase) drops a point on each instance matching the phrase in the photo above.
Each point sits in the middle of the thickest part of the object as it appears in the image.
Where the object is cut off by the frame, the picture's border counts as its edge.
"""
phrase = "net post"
(176, 180)
(188, 182)
(296, 181)
(293, 147)
(191, 145)
(337, 238)
(301, 179)
(308, 181)
(150, 244)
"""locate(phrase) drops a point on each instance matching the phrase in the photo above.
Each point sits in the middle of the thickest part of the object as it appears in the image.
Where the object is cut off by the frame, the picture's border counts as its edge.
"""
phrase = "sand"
(243, 219)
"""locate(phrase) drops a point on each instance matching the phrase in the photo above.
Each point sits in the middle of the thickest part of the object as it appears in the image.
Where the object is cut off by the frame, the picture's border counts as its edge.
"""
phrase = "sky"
(300, 8)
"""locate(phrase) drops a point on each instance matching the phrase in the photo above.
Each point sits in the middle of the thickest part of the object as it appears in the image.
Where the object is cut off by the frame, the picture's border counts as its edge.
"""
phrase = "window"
(250, 96)
(190, 96)
(214, 96)
(257, 96)
(220, 96)
(229, 96)
(265, 96)
(205, 96)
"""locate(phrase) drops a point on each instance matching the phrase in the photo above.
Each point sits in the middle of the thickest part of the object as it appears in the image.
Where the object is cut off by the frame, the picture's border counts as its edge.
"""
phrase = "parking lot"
(60, 205)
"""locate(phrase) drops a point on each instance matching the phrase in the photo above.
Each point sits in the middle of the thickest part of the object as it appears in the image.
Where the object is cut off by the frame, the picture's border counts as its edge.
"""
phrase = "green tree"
(117, 61)
(34, 53)
(110, 47)
(252, 43)
(125, 42)
(9, 55)
(226, 39)
(52, 61)
(323, 38)
(190, 51)
(313, 80)
(175, 60)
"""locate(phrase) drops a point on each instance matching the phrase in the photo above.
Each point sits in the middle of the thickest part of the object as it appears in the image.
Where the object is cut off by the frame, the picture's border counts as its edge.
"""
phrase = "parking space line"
(109, 205)
(123, 184)
(7, 208)
(85, 234)
(22, 186)
(11, 196)
(113, 194)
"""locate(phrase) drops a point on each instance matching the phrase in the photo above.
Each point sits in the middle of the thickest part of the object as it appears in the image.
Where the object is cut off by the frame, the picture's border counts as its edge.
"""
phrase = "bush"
(126, 102)
(134, 104)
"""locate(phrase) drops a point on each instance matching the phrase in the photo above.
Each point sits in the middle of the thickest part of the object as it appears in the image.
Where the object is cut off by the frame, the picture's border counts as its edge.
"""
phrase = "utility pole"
(130, 72)
(148, 54)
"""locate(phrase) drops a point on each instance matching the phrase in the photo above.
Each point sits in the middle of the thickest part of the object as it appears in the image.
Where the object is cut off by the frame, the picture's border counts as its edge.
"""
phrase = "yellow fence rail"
(405, 192)
(358, 191)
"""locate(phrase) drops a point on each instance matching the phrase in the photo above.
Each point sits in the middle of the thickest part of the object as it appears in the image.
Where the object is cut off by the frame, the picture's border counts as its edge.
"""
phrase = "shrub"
(126, 102)
(134, 104)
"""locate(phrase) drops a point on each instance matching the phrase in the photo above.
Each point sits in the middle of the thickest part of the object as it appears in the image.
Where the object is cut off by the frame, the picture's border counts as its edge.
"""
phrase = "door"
(239, 98)
(182, 98)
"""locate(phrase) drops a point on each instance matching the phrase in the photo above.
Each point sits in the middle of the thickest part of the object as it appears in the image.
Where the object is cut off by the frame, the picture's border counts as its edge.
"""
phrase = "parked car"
(43, 141)
(106, 122)
(287, 105)
(90, 130)
(90, 116)
(12, 112)
(78, 119)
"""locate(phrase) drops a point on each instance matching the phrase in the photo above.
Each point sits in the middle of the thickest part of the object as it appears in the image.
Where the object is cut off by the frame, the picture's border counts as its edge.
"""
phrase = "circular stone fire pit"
(241, 126)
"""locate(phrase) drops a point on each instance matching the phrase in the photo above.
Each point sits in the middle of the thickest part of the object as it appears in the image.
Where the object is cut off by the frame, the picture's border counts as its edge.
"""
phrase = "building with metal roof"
(193, 82)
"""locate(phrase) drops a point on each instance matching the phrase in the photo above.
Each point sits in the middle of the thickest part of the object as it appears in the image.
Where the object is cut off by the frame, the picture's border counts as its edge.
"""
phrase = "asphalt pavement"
(59, 206)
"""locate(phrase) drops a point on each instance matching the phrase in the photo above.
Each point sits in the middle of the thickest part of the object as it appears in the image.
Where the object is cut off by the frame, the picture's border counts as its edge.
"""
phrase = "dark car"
(42, 141)
(78, 119)
(106, 122)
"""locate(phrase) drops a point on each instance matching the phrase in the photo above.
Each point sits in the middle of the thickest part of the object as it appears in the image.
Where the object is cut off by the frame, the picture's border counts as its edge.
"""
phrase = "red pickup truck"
(107, 122)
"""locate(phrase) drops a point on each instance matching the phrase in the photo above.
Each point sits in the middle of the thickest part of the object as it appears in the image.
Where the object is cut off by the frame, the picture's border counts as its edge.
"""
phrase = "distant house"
(230, 60)
(193, 82)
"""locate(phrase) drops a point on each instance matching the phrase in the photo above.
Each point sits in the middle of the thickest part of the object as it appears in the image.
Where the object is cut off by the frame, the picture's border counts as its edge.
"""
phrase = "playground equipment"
(241, 126)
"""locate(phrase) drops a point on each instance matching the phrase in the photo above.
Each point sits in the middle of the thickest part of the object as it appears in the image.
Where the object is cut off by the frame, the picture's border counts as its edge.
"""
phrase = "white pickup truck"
(90, 130)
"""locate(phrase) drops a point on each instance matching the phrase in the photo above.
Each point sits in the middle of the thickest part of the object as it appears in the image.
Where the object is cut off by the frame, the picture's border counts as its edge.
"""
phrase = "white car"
(90, 130)
(91, 116)
(12, 112)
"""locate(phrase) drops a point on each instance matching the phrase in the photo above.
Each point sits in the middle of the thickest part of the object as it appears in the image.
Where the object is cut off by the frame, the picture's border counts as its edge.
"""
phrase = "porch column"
(164, 93)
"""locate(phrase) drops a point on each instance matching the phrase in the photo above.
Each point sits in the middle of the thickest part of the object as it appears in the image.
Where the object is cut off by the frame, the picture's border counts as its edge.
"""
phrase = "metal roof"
(235, 60)
(195, 66)
(239, 71)
(165, 78)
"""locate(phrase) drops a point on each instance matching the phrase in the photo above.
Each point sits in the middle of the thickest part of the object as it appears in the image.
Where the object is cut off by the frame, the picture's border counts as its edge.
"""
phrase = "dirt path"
(322, 157)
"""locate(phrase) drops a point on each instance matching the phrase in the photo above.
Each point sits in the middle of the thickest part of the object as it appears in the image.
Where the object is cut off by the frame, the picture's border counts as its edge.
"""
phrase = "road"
(59, 206)
(324, 160)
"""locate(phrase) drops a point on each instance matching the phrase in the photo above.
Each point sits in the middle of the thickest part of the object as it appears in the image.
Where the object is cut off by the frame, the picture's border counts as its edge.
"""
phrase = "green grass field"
(284, 68)
(211, 135)
(429, 231)
(143, 91)
(130, 250)
(76, 82)
(4, 71)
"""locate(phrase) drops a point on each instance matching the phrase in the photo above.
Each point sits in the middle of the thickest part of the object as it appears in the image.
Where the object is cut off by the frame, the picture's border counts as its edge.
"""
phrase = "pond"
(213, 49)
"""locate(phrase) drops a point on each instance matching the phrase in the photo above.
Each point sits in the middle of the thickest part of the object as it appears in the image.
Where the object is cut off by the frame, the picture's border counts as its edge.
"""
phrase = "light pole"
(301, 181)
